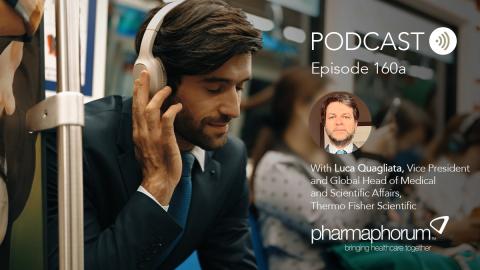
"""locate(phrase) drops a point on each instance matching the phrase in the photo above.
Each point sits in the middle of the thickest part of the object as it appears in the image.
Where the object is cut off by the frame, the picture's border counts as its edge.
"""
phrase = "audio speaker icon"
(443, 41)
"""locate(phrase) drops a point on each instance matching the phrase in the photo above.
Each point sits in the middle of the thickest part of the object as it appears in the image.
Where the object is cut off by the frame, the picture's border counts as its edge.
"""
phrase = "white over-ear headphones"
(146, 60)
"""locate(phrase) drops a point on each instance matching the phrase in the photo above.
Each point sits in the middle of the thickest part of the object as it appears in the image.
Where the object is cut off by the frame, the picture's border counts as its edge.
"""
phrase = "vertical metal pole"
(70, 176)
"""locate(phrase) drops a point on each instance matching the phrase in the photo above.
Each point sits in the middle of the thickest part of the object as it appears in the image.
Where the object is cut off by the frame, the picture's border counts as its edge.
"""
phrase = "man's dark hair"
(343, 98)
(199, 36)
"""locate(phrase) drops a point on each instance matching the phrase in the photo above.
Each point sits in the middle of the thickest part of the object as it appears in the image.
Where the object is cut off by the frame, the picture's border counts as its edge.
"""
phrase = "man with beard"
(340, 117)
(161, 177)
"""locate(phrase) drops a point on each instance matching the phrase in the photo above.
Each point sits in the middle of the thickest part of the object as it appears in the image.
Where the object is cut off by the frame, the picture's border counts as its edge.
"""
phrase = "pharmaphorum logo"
(444, 221)
(378, 234)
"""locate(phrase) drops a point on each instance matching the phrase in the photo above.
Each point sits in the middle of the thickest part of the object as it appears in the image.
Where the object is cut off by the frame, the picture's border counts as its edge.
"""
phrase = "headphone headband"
(146, 60)
(153, 26)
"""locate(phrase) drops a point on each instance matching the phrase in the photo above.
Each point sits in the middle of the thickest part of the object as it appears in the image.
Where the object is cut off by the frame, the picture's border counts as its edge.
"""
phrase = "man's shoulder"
(233, 151)
(104, 117)
(107, 104)
(106, 110)
(231, 160)
(233, 145)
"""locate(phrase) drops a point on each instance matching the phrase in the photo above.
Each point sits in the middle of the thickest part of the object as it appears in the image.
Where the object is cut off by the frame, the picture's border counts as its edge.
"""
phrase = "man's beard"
(185, 127)
(340, 143)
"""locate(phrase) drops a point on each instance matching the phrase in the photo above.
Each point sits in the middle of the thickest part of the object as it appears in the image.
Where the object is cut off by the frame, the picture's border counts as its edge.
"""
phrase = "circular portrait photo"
(340, 123)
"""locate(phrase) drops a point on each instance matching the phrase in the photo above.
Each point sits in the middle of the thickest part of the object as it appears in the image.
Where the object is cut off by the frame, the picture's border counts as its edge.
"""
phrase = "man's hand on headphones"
(156, 147)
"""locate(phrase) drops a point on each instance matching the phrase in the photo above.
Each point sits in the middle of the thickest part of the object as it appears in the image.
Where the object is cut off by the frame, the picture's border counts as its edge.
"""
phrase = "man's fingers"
(169, 117)
(10, 105)
(159, 97)
(136, 114)
(2, 102)
(140, 100)
(168, 139)
(144, 88)
(140, 91)
(152, 111)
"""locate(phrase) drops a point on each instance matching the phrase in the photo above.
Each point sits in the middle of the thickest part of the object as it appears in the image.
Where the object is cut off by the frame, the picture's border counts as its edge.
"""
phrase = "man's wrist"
(159, 190)
(144, 191)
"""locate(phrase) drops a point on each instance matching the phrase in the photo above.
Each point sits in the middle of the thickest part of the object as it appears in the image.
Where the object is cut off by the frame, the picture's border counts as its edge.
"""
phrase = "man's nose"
(230, 104)
(338, 121)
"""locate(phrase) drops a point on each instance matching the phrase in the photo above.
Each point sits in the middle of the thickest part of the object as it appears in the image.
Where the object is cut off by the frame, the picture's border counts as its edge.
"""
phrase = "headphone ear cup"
(139, 66)
(158, 76)
(156, 72)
